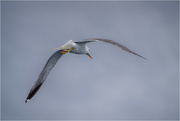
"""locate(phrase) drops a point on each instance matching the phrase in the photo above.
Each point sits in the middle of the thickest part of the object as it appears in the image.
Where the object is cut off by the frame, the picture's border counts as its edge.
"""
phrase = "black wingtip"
(26, 100)
(143, 57)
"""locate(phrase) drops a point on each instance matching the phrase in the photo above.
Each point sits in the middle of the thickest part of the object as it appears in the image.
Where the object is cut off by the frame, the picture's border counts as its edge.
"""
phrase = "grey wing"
(117, 44)
(86, 41)
(45, 72)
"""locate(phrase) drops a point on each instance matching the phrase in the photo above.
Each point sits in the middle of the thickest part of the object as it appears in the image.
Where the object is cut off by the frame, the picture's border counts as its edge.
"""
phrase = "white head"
(87, 51)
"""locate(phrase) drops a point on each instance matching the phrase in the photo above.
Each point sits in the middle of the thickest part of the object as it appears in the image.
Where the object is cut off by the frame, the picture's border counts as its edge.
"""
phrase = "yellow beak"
(90, 56)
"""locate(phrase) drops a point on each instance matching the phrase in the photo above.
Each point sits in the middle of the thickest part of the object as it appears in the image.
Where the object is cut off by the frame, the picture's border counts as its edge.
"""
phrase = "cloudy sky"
(114, 84)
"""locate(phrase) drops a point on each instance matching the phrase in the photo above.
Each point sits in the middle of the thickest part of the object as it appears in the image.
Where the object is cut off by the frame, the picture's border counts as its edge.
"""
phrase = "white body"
(78, 48)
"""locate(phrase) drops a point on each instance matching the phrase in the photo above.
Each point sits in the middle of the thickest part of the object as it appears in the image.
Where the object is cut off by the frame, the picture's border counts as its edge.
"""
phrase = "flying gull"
(72, 47)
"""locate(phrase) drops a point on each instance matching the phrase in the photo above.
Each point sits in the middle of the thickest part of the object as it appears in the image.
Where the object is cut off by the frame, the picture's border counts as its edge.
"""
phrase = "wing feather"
(86, 41)
(117, 44)
(45, 72)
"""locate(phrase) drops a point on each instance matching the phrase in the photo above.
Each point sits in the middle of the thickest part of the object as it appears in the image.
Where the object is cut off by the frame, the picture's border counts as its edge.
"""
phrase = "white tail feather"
(66, 46)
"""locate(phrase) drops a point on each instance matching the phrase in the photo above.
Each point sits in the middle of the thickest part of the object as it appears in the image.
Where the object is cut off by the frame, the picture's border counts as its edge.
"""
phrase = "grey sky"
(112, 85)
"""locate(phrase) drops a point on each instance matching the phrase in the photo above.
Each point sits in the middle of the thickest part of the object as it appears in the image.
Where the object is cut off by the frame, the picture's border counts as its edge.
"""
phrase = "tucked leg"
(66, 51)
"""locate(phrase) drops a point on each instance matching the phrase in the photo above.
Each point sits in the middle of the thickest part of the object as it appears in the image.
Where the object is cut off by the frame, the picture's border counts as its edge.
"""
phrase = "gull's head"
(87, 52)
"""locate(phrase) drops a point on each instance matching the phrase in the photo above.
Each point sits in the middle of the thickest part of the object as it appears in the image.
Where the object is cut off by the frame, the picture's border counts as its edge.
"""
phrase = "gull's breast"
(78, 49)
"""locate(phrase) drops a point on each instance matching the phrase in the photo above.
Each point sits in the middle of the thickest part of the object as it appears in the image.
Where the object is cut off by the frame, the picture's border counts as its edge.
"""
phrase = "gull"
(72, 47)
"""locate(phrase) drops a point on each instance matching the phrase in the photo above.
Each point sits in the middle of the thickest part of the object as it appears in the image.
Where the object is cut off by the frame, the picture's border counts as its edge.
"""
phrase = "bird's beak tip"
(90, 56)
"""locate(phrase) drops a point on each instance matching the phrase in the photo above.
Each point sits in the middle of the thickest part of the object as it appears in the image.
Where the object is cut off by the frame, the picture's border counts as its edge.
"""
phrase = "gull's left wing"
(114, 43)
(45, 72)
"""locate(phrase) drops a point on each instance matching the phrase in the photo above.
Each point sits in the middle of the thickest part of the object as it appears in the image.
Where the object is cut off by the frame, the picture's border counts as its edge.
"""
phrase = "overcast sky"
(114, 84)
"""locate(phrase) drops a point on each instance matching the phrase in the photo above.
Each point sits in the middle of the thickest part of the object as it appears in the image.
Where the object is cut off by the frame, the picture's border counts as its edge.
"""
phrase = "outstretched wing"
(114, 43)
(86, 41)
(45, 72)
